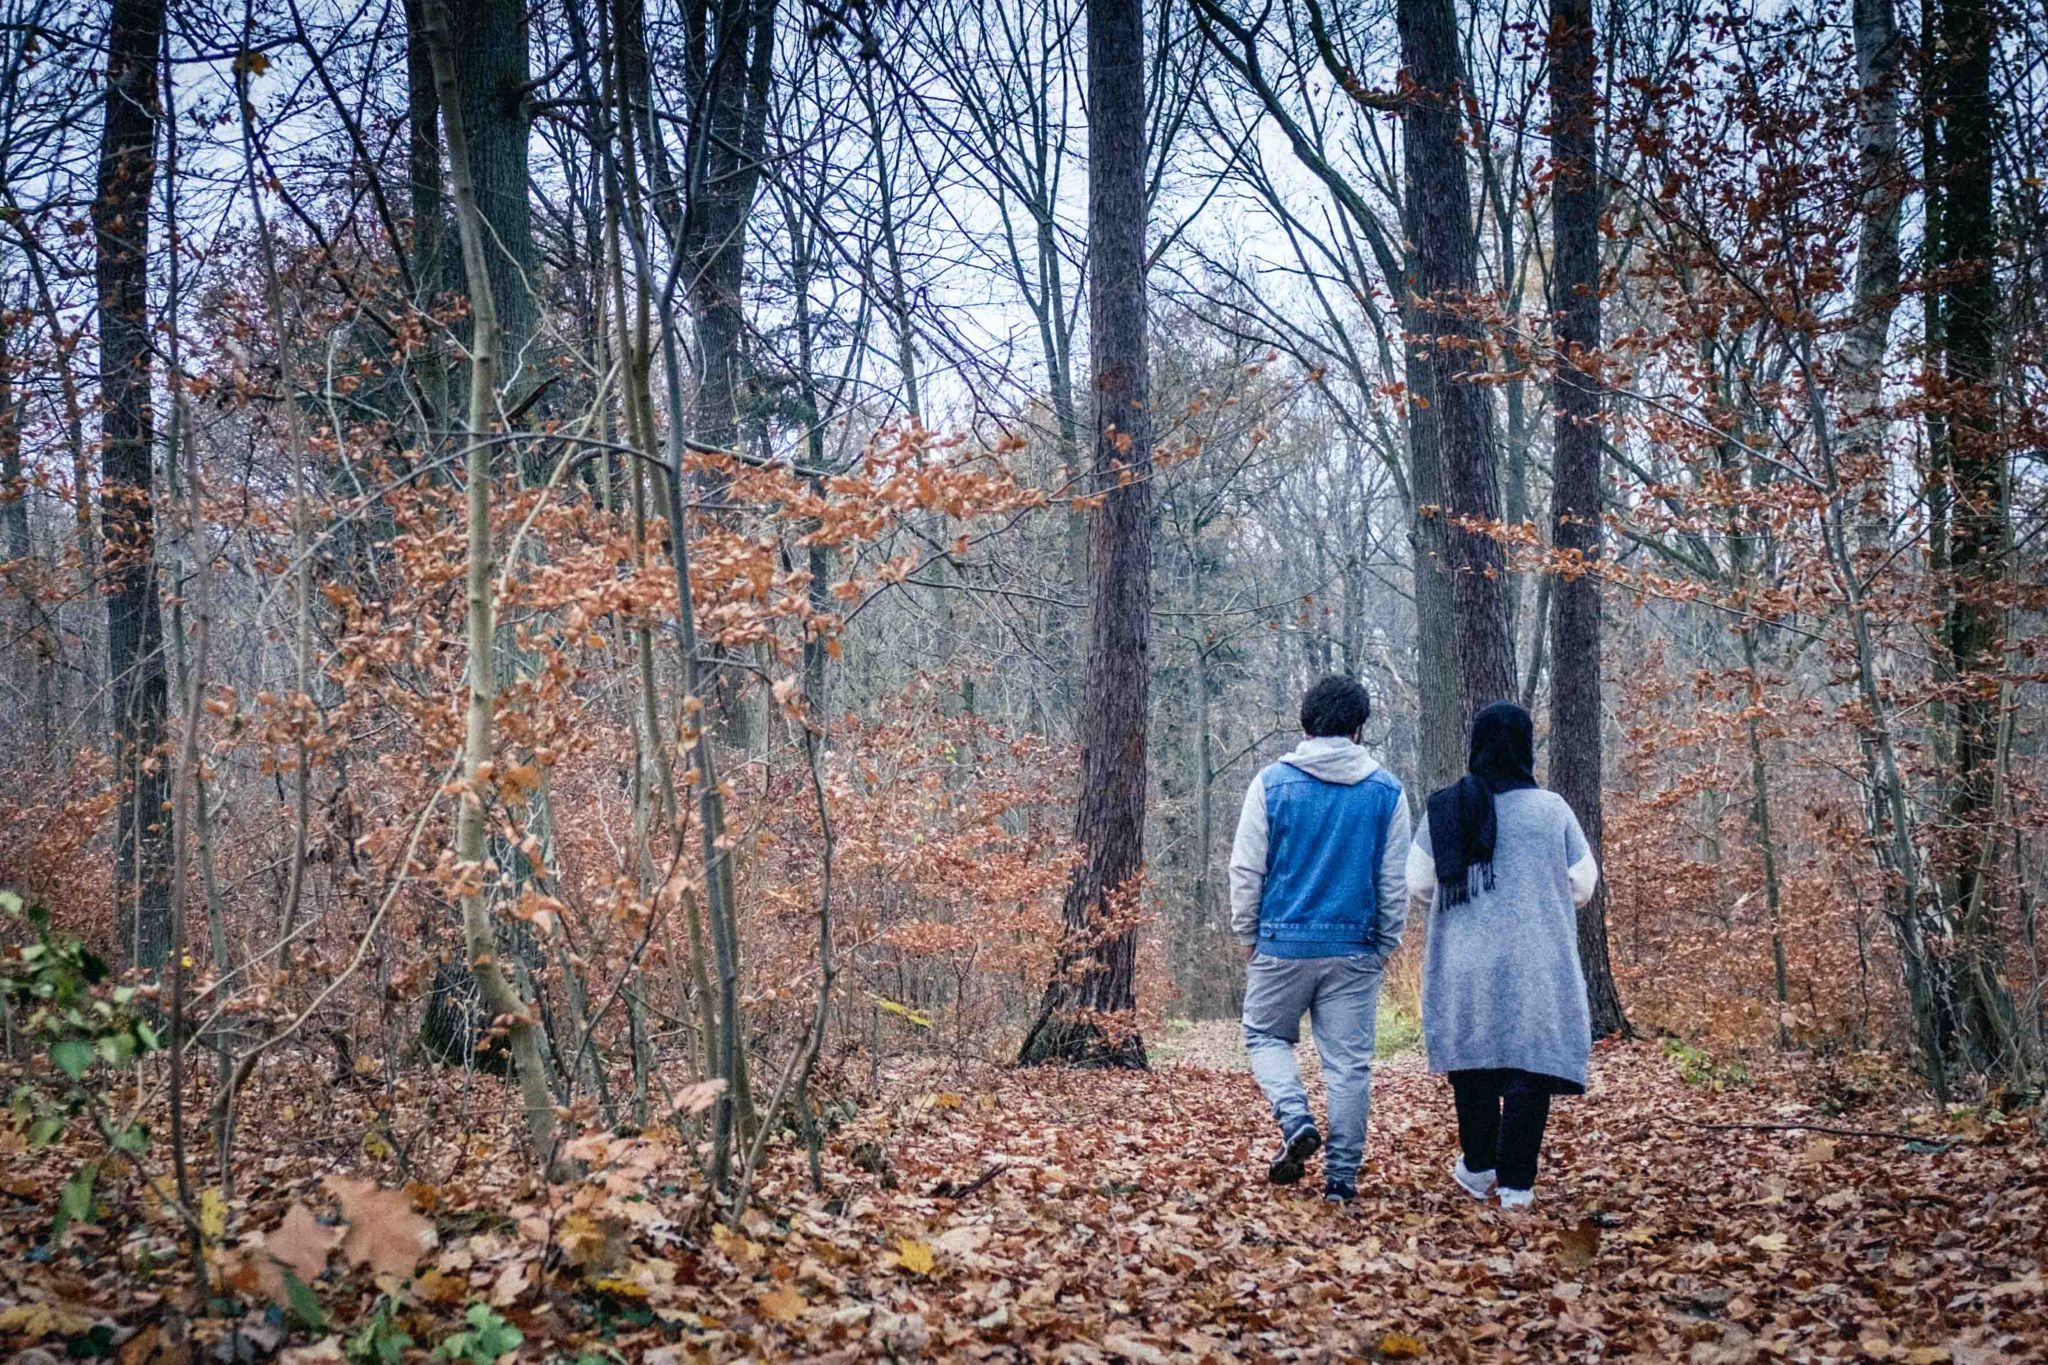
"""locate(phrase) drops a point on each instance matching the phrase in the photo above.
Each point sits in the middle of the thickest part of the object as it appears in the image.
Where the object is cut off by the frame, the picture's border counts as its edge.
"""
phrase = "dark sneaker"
(1339, 1192)
(1293, 1158)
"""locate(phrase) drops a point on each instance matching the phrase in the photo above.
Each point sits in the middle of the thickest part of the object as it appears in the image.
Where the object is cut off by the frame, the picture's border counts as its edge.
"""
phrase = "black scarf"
(1461, 819)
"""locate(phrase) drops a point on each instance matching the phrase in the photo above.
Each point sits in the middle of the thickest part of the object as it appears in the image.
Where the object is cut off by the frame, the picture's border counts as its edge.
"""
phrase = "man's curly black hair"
(1336, 705)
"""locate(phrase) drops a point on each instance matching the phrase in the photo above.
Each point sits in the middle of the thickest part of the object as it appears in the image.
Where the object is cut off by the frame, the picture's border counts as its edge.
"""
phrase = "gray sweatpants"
(1341, 997)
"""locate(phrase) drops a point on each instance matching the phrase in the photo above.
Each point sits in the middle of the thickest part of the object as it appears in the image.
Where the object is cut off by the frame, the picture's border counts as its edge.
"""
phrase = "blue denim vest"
(1324, 844)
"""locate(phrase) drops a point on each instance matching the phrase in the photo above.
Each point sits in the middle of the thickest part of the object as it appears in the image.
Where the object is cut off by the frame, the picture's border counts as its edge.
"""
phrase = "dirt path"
(1129, 1220)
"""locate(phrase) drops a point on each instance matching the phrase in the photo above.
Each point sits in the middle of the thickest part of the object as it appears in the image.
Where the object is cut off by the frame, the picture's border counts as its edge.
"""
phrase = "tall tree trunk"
(1444, 347)
(135, 654)
(492, 72)
(1576, 770)
(728, 65)
(423, 162)
(1966, 242)
(1095, 977)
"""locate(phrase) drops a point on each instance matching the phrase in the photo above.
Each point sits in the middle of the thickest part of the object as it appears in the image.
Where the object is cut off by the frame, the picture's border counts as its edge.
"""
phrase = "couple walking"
(1323, 874)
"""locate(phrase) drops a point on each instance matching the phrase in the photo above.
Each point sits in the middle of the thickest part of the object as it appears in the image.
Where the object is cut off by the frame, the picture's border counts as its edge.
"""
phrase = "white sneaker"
(1478, 1184)
(1515, 1200)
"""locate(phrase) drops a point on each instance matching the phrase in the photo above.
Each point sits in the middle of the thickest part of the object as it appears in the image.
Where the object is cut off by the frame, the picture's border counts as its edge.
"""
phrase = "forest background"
(1046, 393)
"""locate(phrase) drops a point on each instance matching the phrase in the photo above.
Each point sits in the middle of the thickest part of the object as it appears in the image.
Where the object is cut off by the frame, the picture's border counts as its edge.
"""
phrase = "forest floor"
(1046, 1215)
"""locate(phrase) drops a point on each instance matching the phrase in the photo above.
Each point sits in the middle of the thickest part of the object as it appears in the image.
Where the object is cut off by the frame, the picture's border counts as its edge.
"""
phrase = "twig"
(1885, 1134)
(944, 1189)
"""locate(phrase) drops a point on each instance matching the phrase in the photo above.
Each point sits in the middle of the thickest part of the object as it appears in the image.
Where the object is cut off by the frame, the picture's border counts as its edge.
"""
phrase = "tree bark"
(1447, 412)
(423, 162)
(479, 930)
(492, 72)
(728, 65)
(1576, 769)
(135, 653)
(1094, 980)
(1860, 368)
(1966, 242)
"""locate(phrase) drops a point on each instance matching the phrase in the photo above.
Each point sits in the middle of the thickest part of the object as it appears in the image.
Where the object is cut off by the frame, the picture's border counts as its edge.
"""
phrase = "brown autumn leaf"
(326, 1351)
(301, 1243)
(1578, 1246)
(384, 1235)
(781, 1304)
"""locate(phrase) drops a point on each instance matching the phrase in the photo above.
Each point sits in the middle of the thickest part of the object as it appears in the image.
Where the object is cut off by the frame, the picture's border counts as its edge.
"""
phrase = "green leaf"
(381, 1341)
(10, 902)
(118, 1048)
(489, 1338)
(134, 1140)
(71, 1056)
(151, 1040)
(303, 1305)
(74, 1201)
(44, 1131)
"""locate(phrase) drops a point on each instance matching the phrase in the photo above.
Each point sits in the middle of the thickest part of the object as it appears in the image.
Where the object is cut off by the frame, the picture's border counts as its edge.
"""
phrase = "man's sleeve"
(1248, 864)
(1393, 879)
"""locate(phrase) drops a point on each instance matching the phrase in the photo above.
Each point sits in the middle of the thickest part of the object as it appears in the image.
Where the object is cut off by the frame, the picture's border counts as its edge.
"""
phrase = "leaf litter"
(1127, 1219)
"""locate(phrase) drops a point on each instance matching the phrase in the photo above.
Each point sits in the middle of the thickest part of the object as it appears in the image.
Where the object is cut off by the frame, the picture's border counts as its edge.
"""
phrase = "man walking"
(1319, 896)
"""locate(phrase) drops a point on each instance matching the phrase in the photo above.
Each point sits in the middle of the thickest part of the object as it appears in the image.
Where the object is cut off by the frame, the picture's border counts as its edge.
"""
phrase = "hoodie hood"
(1332, 758)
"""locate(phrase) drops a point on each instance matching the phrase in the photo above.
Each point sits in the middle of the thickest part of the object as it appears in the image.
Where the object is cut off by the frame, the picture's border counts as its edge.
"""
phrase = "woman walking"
(1504, 867)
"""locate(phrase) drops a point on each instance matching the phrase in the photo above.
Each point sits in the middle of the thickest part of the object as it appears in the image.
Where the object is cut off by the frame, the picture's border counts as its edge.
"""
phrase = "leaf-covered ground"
(1050, 1215)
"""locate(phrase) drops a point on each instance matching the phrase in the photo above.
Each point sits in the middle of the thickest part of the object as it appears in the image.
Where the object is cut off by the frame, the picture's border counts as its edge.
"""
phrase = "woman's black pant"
(1501, 1114)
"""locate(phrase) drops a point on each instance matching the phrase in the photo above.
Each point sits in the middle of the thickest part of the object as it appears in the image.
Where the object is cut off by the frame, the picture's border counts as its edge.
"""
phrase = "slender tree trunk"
(135, 643)
(36, 653)
(1444, 337)
(1766, 835)
(1860, 367)
(1095, 978)
(1576, 767)
(479, 931)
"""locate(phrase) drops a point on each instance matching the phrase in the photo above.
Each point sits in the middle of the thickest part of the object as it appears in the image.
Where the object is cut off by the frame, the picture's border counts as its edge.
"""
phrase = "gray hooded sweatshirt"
(1333, 759)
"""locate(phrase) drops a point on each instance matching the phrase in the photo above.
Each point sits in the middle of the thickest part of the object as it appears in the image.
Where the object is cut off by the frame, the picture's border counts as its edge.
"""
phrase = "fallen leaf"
(384, 1235)
(1401, 1346)
(1131, 1348)
(43, 1320)
(302, 1242)
(510, 1284)
(781, 1304)
(213, 1215)
(1578, 1247)
(326, 1351)
(914, 1256)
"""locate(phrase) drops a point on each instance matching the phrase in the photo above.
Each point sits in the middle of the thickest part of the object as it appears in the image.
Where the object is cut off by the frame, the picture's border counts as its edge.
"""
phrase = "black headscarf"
(1461, 819)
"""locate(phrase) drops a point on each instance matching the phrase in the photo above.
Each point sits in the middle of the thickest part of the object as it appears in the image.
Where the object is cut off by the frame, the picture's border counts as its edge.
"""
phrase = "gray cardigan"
(1501, 985)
